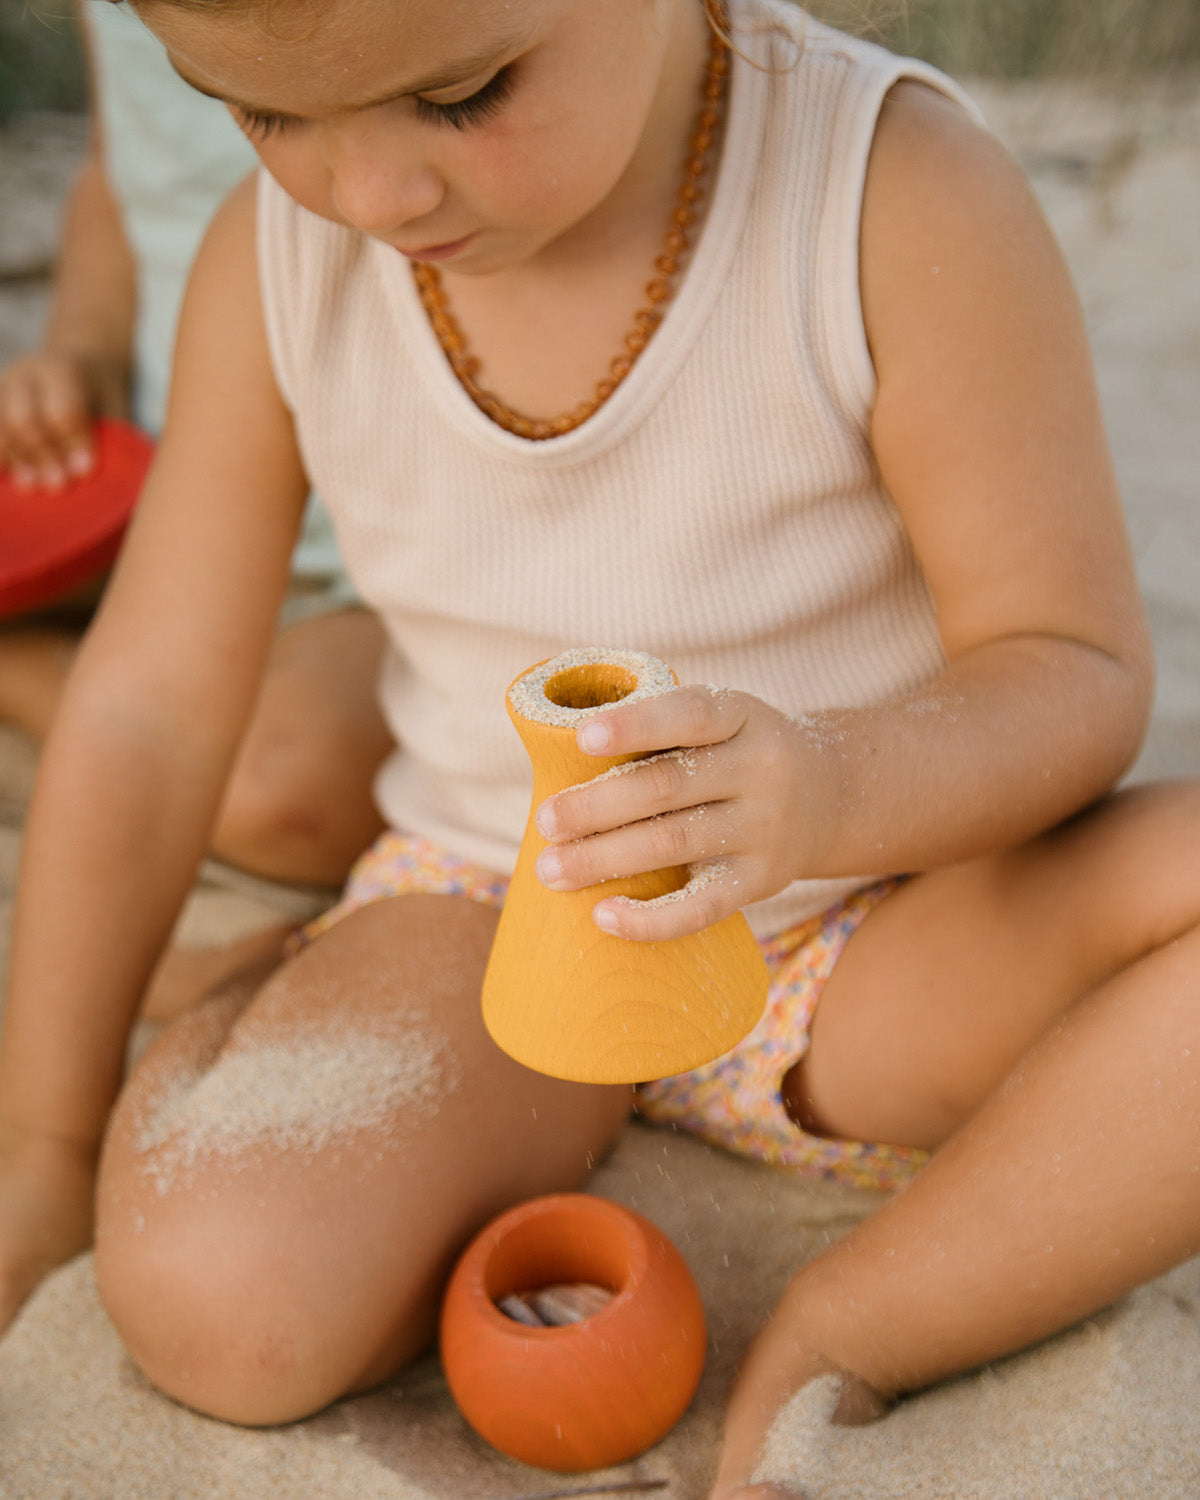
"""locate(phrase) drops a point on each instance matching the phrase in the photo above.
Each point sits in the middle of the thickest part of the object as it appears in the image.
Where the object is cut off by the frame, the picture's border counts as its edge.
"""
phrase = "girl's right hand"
(47, 1191)
(47, 404)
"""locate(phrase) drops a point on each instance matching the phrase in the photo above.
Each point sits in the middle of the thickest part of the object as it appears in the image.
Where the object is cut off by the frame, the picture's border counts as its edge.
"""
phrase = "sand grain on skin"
(301, 1095)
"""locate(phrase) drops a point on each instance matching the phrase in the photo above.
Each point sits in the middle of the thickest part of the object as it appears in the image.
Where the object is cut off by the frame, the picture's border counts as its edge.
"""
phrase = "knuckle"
(775, 756)
(664, 780)
(698, 713)
(703, 911)
(64, 409)
(668, 841)
(570, 813)
(27, 431)
(577, 861)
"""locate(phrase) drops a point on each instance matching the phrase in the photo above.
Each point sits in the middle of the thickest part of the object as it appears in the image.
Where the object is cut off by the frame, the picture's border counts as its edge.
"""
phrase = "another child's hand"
(745, 790)
(47, 1188)
(48, 401)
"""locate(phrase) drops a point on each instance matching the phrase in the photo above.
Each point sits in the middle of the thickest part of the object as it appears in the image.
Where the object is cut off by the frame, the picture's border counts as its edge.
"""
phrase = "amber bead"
(466, 365)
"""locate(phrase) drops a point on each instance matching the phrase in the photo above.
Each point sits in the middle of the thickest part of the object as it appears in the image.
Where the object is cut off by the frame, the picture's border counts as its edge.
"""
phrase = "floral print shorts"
(734, 1102)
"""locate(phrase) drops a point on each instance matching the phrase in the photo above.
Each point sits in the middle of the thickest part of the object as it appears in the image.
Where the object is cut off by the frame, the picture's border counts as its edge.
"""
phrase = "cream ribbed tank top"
(722, 510)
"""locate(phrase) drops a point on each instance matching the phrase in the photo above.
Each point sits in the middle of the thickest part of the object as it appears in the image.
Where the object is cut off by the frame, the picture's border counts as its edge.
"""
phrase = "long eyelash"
(482, 105)
(261, 125)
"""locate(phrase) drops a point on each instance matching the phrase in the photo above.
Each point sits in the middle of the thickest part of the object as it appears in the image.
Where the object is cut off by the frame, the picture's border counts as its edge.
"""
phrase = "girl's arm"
(132, 773)
(988, 434)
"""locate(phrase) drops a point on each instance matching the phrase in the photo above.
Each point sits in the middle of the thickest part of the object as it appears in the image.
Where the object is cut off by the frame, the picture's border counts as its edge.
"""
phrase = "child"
(160, 160)
(854, 488)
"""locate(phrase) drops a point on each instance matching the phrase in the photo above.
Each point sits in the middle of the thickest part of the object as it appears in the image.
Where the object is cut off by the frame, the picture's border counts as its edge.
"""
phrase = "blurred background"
(41, 66)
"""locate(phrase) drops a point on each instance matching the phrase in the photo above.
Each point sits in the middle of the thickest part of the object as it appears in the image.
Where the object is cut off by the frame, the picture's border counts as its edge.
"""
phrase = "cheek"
(299, 169)
(549, 171)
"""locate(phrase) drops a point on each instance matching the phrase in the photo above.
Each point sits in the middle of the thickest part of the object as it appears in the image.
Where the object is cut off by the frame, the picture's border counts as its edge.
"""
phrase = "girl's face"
(471, 132)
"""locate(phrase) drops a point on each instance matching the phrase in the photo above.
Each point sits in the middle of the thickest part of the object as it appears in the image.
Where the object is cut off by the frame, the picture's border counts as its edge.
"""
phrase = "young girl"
(854, 488)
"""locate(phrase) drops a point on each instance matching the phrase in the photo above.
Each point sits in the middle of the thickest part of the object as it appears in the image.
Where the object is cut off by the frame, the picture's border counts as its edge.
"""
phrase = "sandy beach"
(1107, 1410)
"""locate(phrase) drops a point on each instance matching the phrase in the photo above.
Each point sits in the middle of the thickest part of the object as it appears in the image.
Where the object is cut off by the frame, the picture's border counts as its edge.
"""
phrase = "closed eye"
(475, 109)
(258, 124)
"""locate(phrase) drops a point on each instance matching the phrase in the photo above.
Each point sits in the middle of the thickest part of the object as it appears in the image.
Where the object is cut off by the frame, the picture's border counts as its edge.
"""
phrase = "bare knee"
(218, 1310)
(295, 809)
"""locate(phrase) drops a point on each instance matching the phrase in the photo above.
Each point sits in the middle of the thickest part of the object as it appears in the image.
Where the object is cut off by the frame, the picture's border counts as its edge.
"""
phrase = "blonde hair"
(881, 20)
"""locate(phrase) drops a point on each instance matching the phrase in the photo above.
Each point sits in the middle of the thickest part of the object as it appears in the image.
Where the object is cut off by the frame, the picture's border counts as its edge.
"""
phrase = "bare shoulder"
(929, 156)
(221, 324)
(228, 247)
(986, 423)
(950, 225)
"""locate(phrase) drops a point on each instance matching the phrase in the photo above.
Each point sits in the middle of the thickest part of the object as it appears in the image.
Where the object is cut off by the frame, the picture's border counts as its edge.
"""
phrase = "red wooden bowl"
(593, 1393)
(53, 540)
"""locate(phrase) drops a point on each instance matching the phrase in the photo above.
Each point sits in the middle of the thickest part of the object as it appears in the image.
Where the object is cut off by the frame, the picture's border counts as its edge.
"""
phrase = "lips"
(444, 251)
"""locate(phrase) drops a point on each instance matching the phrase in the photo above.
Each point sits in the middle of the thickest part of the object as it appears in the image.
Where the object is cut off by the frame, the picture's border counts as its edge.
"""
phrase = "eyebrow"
(446, 77)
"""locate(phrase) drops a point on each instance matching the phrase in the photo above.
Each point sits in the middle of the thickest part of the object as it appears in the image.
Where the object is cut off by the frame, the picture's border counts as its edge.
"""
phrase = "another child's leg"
(285, 1185)
(1040, 1013)
(299, 805)
(34, 662)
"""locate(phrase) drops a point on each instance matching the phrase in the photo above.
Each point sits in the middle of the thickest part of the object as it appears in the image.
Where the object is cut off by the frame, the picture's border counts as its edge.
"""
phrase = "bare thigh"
(299, 805)
(287, 1181)
(952, 978)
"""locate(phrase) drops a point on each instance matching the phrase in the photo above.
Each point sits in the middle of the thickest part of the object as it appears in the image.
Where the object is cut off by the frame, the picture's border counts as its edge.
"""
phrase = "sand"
(1104, 1411)
(326, 1086)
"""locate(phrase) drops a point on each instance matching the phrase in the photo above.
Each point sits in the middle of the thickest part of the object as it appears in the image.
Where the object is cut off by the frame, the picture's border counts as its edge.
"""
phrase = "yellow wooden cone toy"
(560, 995)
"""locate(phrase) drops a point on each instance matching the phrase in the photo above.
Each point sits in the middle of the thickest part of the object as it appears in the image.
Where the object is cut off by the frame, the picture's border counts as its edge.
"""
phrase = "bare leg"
(299, 805)
(34, 663)
(1071, 1175)
(185, 976)
(261, 1277)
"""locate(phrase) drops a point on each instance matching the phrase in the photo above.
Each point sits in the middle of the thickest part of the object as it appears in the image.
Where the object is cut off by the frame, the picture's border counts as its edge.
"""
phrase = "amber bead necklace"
(658, 292)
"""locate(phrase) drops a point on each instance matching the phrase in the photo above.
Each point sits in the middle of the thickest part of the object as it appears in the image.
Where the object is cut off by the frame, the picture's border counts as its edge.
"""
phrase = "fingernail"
(23, 478)
(605, 918)
(592, 737)
(547, 823)
(549, 867)
(79, 462)
(54, 476)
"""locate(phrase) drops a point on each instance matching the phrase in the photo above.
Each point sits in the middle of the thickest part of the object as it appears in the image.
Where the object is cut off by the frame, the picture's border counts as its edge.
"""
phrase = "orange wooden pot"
(560, 995)
(592, 1393)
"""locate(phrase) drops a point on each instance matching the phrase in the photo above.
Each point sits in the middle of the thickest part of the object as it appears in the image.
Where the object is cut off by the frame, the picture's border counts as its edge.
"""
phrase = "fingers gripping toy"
(560, 995)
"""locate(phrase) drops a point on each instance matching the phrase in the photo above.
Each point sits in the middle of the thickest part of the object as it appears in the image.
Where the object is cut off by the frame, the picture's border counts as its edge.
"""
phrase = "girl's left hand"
(729, 780)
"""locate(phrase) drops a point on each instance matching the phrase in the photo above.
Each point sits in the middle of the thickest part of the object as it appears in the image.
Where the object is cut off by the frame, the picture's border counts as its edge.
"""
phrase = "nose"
(379, 182)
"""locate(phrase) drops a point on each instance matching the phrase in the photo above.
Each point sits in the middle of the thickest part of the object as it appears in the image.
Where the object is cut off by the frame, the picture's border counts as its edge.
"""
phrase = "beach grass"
(41, 64)
(1032, 38)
